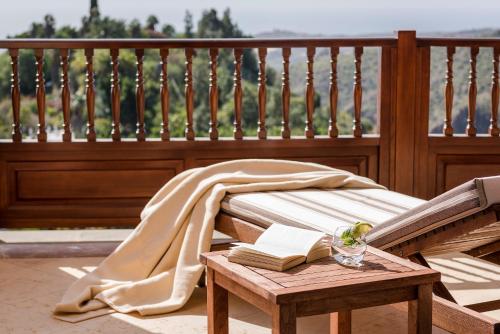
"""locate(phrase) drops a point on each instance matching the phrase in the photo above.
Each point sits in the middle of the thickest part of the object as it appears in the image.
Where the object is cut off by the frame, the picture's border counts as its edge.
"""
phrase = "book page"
(295, 240)
(269, 251)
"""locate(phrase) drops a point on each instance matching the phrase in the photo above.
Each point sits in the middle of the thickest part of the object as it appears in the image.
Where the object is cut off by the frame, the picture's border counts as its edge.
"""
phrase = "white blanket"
(156, 268)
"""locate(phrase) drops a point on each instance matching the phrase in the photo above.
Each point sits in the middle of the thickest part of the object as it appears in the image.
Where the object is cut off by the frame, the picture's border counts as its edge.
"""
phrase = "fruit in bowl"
(349, 243)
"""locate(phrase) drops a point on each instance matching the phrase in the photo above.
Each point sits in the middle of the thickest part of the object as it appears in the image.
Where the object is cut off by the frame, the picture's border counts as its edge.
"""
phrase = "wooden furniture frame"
(321, 287)
(446, 313)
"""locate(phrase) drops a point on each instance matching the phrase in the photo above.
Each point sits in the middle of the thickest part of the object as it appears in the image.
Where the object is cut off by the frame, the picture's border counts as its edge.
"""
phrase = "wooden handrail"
(457, 42)
(194, 43)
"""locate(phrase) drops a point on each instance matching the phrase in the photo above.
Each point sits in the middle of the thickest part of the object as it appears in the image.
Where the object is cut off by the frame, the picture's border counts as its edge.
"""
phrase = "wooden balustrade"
(261, 46)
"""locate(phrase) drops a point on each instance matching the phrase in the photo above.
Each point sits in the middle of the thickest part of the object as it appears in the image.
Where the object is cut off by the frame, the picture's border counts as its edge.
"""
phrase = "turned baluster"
(262, 132)
(309, 130)
(164, 95)
(40, 96)
(90, 94)
(333, 131)
(115, 96)
(285, 94)
(15, 96)
(188, 90)
(139, 95)
(214, 95)
(238, 94)
(65, 95)
(357, 92)
(471, 115)
(493, 130)
(448, 91)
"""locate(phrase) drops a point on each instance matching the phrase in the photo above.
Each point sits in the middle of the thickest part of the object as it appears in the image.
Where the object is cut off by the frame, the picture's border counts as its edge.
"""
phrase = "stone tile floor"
(30, 287)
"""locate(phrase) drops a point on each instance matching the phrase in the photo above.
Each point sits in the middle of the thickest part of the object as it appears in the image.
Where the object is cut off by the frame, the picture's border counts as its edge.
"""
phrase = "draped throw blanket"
(156, 268)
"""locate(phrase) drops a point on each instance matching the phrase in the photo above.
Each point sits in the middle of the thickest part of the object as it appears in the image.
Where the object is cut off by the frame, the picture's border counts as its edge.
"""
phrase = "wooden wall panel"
(108, 184)
(456, 169)
(96, 184)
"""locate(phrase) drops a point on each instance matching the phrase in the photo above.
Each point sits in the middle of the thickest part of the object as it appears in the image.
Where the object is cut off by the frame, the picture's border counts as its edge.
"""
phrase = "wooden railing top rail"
(457, 42)
(193, 43)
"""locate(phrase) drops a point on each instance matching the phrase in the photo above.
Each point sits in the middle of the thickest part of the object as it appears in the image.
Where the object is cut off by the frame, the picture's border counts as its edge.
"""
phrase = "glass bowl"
(348, 251)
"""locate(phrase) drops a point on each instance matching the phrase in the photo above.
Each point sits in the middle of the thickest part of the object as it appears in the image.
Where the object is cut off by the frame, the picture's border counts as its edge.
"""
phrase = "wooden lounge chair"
(464, 219)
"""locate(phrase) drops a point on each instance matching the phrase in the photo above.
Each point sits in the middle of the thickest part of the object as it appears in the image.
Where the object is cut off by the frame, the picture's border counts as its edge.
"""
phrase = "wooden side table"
(320, 287)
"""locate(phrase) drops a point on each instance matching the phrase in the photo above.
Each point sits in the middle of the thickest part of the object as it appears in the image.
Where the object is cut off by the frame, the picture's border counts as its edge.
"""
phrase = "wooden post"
(164, 95)
(333, 131)
(139, 95)
(420, 311)
(340, 322)
(285, 94)
(261, 124)
(284, 319)
(357, 92)
(214, 94)
(90, 94)
(15, 96)
(217, 306)
(495, 94)
(385, 115)
(189, 94)
(406, 70)
(115, 96)
(238, 93)
(65, 95)
(40, 95)
(309, 130)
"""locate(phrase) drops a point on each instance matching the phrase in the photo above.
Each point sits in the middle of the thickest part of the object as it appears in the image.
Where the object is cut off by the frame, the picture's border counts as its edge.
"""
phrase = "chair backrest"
(460, 202)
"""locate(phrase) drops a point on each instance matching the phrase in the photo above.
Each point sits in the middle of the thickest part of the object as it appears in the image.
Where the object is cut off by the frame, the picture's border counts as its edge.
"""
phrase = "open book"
(281, 247)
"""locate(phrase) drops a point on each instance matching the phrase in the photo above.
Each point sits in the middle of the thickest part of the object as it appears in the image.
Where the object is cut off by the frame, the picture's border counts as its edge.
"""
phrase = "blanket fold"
(155, 270)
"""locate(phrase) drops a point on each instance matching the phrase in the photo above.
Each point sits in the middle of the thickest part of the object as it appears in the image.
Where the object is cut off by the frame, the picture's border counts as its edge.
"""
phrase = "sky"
(327, 17)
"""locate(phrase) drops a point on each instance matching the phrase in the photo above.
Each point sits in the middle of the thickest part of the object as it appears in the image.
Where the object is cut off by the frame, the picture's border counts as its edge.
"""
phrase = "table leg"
(217, 306)
(284, 319)
(420, 311)
(340, 322)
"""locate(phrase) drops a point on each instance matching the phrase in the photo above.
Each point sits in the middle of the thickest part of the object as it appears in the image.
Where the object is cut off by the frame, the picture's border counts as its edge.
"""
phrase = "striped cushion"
(318, 209)
(455, 204)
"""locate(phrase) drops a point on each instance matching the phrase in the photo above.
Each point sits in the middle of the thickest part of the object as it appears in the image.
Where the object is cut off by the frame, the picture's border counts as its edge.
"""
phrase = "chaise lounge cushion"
(318, 209)
(396, 217)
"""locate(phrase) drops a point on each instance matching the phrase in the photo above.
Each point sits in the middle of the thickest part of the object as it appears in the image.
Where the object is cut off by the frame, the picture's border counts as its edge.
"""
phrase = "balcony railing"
(105, 181)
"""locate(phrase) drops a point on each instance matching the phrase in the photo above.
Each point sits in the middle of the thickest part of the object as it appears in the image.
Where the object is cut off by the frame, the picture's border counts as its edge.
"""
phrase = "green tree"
(188, 24)
(152, 22)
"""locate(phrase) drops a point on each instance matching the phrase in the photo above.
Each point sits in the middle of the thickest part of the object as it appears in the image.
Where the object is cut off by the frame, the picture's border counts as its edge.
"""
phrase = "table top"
(324, 277)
